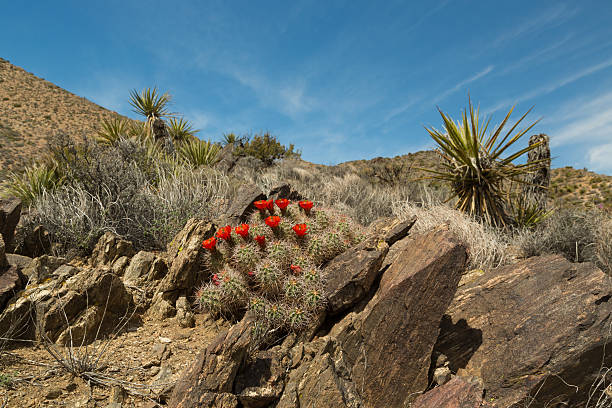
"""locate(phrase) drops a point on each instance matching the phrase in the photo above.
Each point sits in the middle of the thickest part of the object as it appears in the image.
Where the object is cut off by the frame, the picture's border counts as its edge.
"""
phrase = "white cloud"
(551, 87)
(462, 84)
(599, 158)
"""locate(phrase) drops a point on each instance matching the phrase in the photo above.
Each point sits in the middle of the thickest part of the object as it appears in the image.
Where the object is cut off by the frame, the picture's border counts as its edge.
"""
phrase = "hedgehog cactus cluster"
(272, 264)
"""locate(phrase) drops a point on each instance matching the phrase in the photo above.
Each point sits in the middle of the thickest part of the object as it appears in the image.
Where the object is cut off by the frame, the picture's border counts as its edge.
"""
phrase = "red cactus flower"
(270, 205)
(300, 229)
(296, 269)
(242, 230)
(261, 204)
(273, 221)
(282, 203)
(251, 273)
(224, 233)
(209, 243)
(261, 240)
(215, 279)
(306, 205)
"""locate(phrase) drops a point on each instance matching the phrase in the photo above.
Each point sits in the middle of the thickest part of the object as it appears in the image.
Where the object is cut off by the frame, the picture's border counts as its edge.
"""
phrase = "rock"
(120, 264)
(109, 248)
(20, 261)
(53, 393)
(284, 191)
(42, 268)
(442, 375)
(185, 258)
(10, 212)
(226, 159)
(350, 275)
(391, 230)
(211, 376)
(11, 281)
(242, 205)
(388, 345)
(139, 268)
(457, 393)
(537, 329)
(184, 315)
(322, 380)
(3, 261)
(260, 381)
(94, 303)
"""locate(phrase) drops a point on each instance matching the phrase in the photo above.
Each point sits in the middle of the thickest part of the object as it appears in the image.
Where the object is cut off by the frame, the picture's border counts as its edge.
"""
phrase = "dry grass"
(339, 187)
(487, 246)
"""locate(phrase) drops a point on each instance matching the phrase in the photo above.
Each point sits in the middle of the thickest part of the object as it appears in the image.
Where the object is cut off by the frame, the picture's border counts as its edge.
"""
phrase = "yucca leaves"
(112, 130)
(31, 184)
(473, 164)
(198, 152)
(180, 129)
(150, 103)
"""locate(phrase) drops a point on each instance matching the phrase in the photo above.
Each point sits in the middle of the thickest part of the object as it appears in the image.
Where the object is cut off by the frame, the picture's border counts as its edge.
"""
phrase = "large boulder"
(536, 332)
(10, 212)
(184, 255)
(91, 304)
(210, 378)
(388, 345)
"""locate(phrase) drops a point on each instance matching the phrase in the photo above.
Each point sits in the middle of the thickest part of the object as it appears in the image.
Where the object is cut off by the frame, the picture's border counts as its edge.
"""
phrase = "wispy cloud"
(599, 158)
(462, 84)
(551, 87)
(546, 19)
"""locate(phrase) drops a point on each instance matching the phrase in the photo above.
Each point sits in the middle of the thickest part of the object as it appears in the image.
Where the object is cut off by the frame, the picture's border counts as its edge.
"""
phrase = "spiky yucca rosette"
(272, 264)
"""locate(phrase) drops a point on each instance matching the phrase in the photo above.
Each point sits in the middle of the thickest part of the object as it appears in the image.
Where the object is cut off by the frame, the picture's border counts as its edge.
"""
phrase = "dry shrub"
(487, 245)
(580, 235)
(339, 188)
(150, 215)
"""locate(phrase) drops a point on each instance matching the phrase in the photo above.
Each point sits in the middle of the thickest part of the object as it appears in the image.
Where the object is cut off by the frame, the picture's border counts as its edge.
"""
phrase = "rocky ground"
(406, 325)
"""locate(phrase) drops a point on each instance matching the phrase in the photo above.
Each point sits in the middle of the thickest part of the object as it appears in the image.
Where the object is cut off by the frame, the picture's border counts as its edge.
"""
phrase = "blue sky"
(342, 80)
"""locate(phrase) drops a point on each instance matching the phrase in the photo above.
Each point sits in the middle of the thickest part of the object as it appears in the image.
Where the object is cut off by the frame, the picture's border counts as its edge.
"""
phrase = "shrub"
(578, 234)
(474, 167)
(264, 147)
(121, 189)
(269, 267)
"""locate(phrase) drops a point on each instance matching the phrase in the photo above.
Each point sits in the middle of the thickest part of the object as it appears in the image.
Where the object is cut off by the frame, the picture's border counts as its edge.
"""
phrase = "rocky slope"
(32, 109)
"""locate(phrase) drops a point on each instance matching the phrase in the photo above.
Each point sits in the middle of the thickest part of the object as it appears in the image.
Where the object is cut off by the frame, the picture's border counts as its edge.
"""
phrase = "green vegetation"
(263, 147)
(181, 130)
(32, 182)
(474, 167)
(197, 152)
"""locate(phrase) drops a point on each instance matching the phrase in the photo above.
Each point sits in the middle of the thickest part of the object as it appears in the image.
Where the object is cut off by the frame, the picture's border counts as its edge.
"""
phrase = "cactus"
(268, 277)
(273, 270)
(245, 256)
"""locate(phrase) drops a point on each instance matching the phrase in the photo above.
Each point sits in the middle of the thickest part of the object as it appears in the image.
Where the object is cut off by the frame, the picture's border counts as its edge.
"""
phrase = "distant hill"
(32, 109)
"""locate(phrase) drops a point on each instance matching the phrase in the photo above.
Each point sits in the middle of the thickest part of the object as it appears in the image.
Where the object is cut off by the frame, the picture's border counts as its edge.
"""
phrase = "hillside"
(32, 108)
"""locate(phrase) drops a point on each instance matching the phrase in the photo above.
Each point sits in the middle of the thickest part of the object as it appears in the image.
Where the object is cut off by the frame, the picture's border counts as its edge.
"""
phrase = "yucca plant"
(31, 184)
(527, 214)
(181, 130)
(112, 130)
(475, 166)
(198, 152)
(154, 107)
(229, 138)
